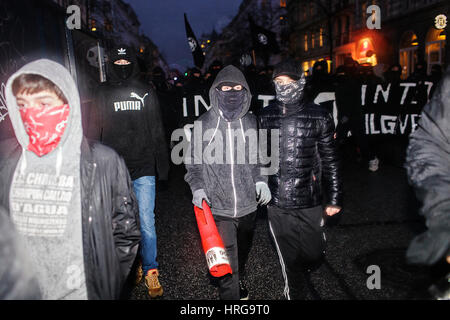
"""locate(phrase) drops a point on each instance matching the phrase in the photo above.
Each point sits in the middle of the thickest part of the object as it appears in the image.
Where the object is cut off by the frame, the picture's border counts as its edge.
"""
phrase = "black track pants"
(237, 236)
(299, 240)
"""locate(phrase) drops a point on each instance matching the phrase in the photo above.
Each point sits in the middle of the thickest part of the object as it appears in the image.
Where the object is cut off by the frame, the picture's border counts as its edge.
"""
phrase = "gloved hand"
(198, 197)
(263, 193)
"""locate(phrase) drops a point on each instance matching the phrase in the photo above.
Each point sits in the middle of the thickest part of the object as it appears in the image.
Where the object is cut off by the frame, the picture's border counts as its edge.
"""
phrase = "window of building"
(283, 3)
(339, 33)
(305, 68)
(346, 33)
(321, 37)
(364, 13)
(108, 25)
(305, 46)
(408, 53)
(313, 40)
(365, 52)
(435, 47)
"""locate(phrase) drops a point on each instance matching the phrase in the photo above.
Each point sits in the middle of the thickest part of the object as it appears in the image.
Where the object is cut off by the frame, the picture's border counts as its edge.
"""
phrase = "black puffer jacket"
(307, 153)
(110, 218)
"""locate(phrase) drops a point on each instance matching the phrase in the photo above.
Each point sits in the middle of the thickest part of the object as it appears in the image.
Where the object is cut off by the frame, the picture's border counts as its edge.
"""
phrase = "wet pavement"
(379, 220)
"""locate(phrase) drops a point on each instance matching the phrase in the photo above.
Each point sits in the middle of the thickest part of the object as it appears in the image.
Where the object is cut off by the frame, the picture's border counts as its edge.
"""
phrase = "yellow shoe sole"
(155, 293)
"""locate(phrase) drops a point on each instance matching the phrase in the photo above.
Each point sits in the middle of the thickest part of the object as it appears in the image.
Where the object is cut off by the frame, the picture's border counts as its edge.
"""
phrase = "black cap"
(289, 68)
(122, 52)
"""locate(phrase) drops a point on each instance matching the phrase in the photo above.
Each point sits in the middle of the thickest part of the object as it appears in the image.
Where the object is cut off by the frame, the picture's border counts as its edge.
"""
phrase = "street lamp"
(92, 25)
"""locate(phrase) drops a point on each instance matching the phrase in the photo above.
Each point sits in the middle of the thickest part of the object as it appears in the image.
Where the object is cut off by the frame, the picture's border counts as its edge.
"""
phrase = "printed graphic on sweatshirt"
(40, 203)
(131, 105)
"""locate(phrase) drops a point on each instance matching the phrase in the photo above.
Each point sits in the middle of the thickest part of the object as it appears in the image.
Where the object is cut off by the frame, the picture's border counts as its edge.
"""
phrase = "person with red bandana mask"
(70, 199)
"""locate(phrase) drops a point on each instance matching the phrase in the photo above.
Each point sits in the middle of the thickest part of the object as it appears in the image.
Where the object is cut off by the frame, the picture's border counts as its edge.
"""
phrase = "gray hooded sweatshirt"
(223, 155)
(45, 202)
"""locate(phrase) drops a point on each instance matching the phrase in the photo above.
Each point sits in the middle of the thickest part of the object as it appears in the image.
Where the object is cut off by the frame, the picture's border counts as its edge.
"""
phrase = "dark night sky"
(163, 22)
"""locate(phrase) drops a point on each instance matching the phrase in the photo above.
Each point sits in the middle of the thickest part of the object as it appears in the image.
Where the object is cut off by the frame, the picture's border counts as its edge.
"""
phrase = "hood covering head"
(119, 73)
(62, 78)
(320, 69)
(236, 102)
(393, 75)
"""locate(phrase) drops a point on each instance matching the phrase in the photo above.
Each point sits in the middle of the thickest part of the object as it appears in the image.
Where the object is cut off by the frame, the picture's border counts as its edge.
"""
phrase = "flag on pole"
(263, 40)
(196, 50)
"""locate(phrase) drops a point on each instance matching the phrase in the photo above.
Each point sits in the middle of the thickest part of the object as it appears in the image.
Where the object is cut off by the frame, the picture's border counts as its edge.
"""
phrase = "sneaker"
(373, 164)
(152, 283)
(243, 292)
(139, 274)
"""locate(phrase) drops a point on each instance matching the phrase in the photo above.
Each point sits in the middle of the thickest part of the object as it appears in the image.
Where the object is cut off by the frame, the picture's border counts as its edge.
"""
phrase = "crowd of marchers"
(104, 174)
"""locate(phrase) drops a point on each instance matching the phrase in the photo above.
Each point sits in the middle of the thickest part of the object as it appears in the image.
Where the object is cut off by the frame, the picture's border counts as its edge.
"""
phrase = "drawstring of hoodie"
(217, 126)
(58, 161)
(242, 130)
(23, 164)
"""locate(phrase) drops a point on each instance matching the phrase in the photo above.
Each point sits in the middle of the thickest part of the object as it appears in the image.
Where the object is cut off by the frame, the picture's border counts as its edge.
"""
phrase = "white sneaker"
(373, 164)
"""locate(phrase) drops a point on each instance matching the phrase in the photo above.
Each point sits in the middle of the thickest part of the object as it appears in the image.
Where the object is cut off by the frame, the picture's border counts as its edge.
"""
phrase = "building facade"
(115, 22)
(235, 40)
(372, 32)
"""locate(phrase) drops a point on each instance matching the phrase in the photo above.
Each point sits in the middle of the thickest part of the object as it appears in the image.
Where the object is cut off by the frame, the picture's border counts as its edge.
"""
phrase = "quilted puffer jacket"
(308, 158)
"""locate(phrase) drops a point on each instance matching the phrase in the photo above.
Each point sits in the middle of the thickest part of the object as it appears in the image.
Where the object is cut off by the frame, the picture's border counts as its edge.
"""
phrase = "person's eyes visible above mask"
(282, 80)
(39, 100)
(122, 62)
(228, 88)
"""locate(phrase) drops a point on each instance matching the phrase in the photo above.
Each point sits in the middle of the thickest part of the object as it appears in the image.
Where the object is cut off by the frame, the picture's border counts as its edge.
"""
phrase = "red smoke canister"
(215, 253)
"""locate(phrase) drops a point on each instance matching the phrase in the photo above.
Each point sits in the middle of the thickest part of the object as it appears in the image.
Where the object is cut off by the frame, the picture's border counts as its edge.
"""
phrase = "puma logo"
(135, 95)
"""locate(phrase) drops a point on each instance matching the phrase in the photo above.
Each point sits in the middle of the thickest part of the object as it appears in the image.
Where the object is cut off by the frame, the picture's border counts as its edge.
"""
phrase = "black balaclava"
(394, 75)
(320, 69)
(230, 102)
(290, 93)
(123, 72)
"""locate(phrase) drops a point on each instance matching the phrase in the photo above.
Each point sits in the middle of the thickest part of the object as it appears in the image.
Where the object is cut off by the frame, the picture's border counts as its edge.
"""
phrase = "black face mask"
(123, 71)
(231, 102)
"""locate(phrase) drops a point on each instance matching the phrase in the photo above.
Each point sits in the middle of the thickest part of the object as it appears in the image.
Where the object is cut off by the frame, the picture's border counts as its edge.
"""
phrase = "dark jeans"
(299, 240)
(237, 236)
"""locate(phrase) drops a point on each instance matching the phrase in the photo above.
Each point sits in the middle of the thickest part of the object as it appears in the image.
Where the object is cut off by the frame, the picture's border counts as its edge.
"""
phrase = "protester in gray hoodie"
(223, 168)
(70, 200)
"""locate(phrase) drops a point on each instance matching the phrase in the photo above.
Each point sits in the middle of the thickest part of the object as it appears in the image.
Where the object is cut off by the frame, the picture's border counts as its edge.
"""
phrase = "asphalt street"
(379, 219)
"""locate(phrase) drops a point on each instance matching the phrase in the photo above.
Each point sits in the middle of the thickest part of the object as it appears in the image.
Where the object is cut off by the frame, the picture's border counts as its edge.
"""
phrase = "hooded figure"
(320, 81)
(394, 73)
(126, 71)
(74, 209)
(127, 117)
(224, 169)
(231, 191)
